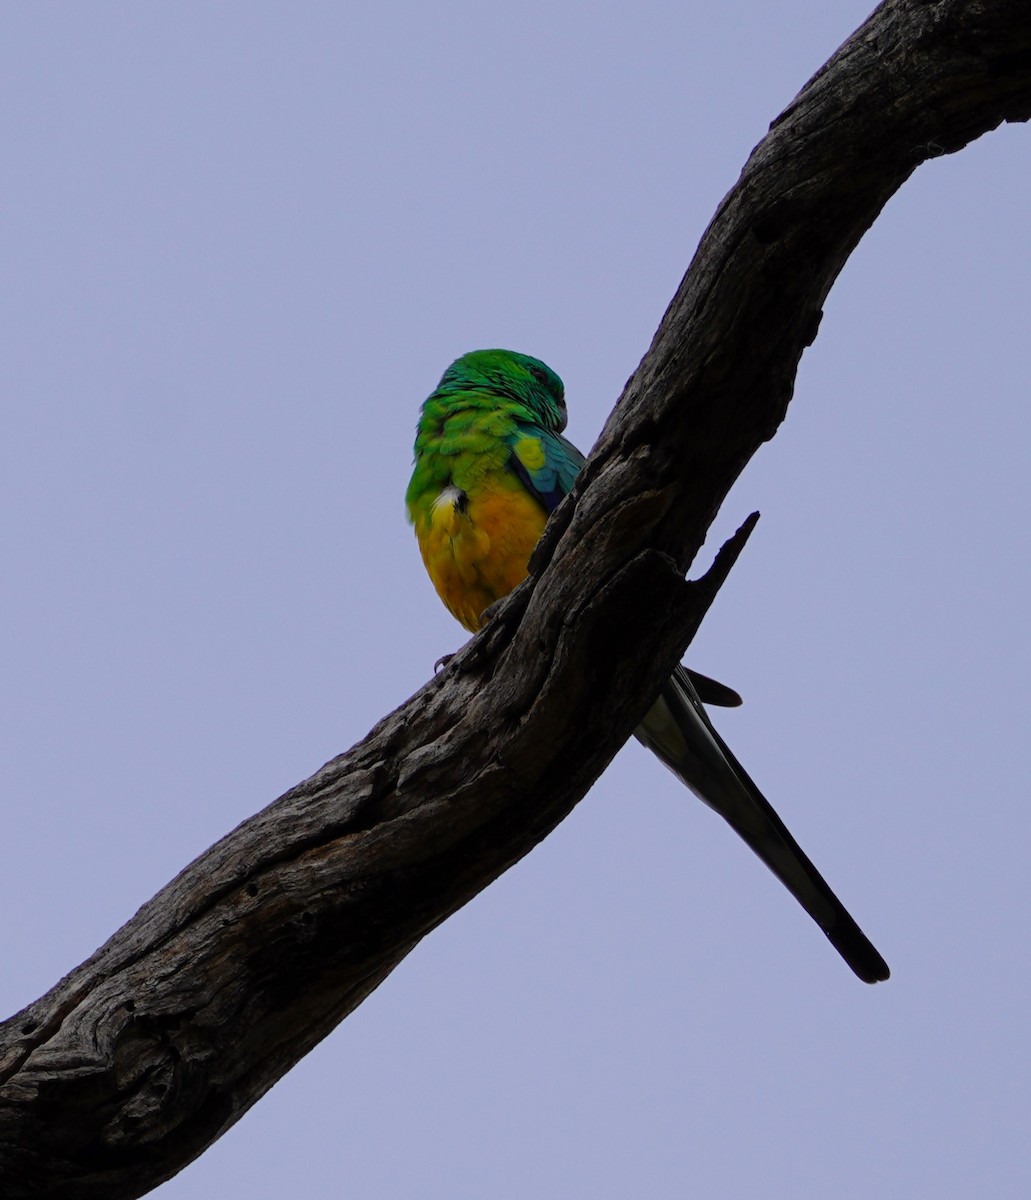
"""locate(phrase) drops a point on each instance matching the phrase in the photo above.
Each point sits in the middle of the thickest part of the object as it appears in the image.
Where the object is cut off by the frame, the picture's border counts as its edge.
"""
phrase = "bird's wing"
(678, 730)
(546, 463)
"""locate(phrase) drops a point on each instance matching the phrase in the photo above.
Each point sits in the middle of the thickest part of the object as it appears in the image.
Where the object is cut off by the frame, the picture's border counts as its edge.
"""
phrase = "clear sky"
(241, 241)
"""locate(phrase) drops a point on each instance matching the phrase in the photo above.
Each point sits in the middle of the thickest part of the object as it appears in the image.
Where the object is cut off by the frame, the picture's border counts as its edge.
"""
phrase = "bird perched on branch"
(491, 464)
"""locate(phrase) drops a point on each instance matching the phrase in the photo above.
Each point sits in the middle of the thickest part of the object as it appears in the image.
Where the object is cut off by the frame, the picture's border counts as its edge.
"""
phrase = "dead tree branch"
(148, 1052)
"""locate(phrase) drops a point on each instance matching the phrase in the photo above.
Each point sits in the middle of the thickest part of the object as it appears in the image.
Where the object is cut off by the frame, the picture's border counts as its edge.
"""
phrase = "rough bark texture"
(145, 1054)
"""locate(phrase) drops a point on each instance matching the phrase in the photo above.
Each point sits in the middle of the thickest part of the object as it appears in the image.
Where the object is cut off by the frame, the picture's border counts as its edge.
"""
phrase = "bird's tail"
(678, 730)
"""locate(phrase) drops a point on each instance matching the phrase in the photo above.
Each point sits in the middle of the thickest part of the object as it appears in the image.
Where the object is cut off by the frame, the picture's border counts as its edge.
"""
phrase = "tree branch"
(149, 1051)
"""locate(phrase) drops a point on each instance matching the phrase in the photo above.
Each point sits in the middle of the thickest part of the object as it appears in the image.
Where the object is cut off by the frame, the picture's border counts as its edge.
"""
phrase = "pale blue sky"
(240, 244)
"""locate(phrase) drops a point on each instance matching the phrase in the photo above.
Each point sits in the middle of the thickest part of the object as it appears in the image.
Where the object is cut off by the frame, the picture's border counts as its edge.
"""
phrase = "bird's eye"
(539, 374)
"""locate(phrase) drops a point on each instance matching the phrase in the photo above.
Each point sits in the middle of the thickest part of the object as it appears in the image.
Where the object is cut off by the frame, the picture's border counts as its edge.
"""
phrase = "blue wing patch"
(545, 462)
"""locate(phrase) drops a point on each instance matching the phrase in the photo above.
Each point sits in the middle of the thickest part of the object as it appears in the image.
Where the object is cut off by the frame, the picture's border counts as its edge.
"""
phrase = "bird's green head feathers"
(510, 376)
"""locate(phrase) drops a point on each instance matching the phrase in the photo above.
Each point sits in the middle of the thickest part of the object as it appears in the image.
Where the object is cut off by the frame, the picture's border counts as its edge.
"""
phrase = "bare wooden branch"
(148, 1052)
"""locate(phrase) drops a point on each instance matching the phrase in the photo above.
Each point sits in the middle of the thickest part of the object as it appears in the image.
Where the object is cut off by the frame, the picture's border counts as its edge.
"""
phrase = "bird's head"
(510, 376)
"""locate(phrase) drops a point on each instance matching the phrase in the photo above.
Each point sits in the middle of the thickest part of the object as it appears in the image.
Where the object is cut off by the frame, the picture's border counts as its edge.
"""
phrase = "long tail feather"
(678, 730)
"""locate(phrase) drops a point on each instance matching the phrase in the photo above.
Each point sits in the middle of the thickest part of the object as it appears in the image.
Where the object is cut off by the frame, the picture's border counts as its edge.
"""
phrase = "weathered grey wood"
(146, 1053)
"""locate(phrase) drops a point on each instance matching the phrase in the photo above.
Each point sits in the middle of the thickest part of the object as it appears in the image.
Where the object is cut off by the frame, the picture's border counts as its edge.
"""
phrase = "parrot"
(490, 466)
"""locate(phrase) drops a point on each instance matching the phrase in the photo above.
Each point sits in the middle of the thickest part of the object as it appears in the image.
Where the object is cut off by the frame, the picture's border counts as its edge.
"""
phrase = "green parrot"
(491, 464)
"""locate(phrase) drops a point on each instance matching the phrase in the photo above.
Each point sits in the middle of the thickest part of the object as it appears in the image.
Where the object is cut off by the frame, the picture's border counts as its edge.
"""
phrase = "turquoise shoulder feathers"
(545, 462)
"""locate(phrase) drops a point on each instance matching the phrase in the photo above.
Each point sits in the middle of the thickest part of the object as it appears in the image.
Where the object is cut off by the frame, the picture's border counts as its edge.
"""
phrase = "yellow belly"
(476, 546)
